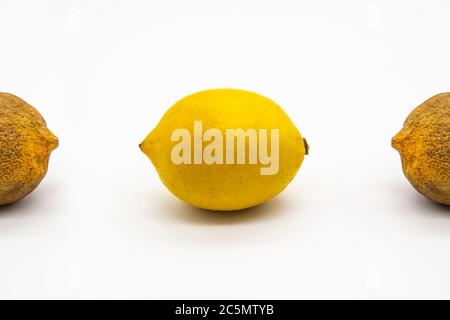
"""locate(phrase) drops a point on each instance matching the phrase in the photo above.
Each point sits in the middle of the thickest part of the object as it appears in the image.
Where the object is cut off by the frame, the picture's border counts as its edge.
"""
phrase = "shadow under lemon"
(21, 207)
(35, 202)
(430, 206)
(179, 211)
(411, 196)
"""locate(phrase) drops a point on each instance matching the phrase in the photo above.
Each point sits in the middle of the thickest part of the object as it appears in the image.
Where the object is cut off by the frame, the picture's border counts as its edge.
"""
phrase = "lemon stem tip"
(305, 143)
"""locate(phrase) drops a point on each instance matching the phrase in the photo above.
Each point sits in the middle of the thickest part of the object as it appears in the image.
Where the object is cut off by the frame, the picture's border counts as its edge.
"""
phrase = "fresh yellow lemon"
(225, 149)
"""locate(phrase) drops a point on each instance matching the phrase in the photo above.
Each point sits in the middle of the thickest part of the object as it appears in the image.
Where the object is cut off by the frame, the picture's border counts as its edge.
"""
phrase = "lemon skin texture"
(424, 147)
(225, 187)
(25, 147)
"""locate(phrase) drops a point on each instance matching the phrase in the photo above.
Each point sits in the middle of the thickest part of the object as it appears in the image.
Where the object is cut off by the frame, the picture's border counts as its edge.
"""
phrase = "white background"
(102, 73)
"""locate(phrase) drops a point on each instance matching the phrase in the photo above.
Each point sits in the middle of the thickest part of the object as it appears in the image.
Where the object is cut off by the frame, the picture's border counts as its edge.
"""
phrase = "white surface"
(102, 73)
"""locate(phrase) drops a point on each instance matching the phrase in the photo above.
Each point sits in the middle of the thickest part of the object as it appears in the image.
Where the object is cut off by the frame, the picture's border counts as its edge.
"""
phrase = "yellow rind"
(225, 187)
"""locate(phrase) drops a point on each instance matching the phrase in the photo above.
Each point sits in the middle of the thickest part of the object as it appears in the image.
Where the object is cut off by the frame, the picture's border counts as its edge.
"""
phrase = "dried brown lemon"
(25, 147)
(424, 146)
